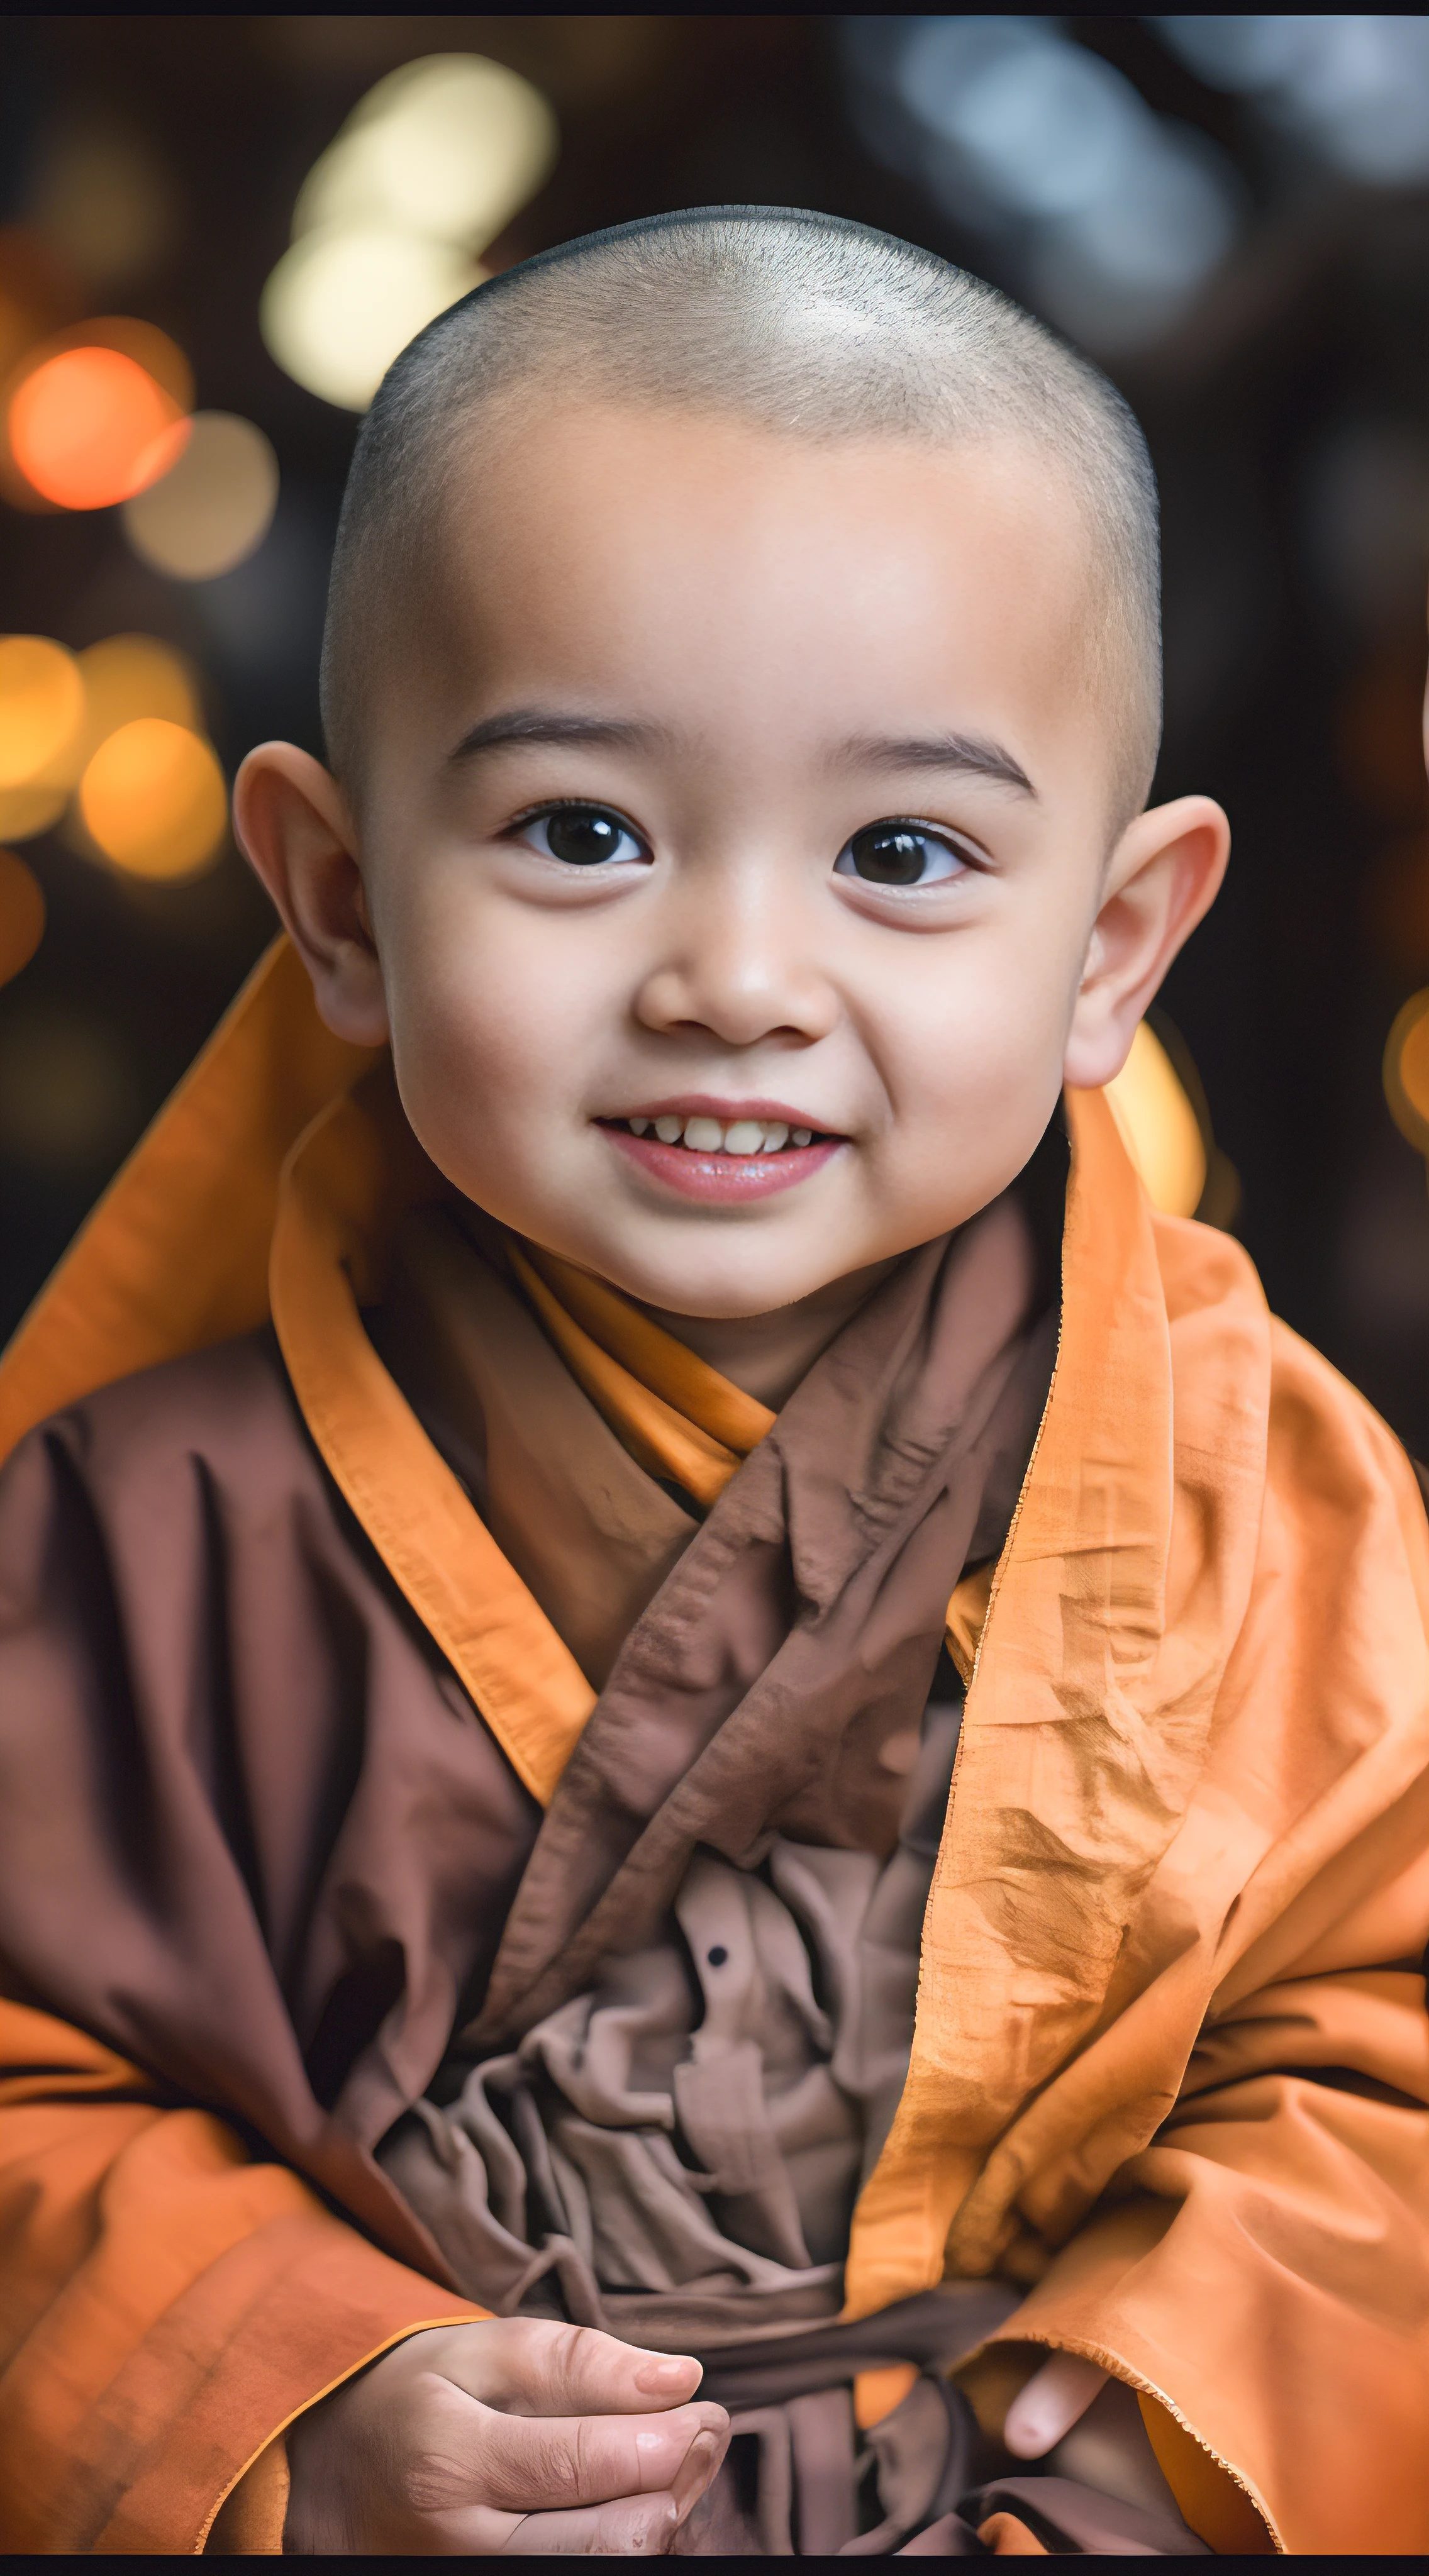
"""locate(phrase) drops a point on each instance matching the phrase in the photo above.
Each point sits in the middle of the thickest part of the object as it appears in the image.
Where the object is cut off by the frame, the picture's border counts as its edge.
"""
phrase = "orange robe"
(1171, 2058)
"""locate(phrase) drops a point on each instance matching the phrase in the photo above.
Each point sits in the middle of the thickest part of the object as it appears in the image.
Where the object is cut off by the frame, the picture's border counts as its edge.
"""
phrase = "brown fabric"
(294, 1838)
(800, 2480)
(590, 1533)
(799, 1634)
(555, 2168)
(1191, 1777)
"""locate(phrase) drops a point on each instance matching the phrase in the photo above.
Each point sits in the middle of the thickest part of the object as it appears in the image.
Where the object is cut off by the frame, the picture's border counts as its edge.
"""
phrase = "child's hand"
(1055, 2398)
(516, 2436)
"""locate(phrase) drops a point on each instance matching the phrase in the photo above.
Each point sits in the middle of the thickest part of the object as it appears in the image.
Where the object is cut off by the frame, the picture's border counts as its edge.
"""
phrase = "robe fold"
(1170, 2060)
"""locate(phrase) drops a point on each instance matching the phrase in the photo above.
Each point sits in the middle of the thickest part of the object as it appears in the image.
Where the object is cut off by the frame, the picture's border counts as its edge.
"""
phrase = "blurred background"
(216, 233)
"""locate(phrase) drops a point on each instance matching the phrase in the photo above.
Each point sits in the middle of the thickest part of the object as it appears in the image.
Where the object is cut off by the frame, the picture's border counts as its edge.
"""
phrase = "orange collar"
(264, 1190)
(679, 1417)
(1152, 1768)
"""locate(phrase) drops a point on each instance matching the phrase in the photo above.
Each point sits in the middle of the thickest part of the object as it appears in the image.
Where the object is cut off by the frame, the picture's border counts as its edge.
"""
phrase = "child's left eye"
(583, 836)
(900, 854)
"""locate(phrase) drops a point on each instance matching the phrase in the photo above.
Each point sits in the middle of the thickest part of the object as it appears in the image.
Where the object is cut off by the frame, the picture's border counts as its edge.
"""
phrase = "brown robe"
(1169, 2059)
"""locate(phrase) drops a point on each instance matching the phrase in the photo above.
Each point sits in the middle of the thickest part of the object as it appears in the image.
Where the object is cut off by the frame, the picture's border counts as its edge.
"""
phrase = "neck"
(767, 1355)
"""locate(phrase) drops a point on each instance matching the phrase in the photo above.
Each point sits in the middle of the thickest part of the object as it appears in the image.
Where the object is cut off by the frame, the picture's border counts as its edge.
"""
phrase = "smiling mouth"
(738, 1137)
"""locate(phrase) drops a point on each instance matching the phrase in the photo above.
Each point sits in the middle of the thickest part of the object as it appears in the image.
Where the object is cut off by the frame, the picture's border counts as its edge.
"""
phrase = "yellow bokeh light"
(430, 167)
(41, 732)
(41, 707)
(1159, 1127)
(213, 507)
(153, 799)
(341, 304)
(451, 146)
(26, 811)
(128, 676)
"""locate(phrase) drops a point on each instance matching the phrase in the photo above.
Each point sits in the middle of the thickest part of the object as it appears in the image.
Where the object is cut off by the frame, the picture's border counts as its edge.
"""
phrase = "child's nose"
(741, 968)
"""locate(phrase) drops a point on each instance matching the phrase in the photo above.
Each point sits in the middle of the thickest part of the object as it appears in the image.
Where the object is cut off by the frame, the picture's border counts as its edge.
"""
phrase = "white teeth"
(743, 1136)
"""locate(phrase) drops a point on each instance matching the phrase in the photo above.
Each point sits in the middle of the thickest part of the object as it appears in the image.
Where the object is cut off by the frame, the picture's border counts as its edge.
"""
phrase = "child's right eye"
(583, 836)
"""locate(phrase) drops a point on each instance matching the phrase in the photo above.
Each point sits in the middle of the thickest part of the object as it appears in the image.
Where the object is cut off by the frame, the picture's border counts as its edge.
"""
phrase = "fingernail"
(673, 2371)
(694, 2472)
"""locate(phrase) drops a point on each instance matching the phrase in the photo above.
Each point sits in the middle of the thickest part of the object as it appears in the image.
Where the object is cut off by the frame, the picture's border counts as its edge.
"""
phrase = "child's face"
(754, 782)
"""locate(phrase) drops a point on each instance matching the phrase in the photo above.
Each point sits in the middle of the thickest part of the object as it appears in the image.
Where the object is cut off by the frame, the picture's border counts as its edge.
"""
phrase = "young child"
(678, 1693)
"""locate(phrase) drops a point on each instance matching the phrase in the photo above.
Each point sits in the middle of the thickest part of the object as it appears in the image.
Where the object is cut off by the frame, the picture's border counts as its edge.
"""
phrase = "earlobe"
(293, 825)
(1163, 877)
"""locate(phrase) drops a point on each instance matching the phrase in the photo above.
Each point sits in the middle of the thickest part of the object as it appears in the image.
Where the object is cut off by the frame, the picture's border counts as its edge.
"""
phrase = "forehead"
(720, 573)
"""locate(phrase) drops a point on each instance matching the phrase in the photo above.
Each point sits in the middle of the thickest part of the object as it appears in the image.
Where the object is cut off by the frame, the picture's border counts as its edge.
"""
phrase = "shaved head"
(804, 325)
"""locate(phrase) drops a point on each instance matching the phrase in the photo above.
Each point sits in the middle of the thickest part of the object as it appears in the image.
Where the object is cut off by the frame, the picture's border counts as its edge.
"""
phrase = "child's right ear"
(294, 828)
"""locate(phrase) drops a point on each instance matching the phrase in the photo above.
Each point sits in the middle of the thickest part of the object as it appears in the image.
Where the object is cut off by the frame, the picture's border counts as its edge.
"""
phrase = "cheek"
(965, 1041)
(491, 1020)
(972, 1062)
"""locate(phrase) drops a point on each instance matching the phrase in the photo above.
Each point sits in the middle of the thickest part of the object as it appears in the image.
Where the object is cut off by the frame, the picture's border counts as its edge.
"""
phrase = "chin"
(712, 1294)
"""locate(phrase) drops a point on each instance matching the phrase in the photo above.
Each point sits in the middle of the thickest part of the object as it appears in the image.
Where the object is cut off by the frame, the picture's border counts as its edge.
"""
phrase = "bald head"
(803, 325)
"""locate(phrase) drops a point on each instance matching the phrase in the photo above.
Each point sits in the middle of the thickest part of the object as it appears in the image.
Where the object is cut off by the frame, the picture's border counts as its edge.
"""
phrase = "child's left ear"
(1163, 876)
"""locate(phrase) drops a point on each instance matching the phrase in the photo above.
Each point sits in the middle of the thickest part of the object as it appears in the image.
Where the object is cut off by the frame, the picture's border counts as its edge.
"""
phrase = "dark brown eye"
(584, 836)
(899, 854)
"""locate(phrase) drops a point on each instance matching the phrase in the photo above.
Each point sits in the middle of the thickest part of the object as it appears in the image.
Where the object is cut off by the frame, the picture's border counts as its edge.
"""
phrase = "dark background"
(1288, 413)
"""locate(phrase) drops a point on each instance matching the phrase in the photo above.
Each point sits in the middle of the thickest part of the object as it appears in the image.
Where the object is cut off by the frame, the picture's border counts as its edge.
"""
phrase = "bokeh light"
(1159, 1127)
(1121, 216)
(128, 676)
(42, 707)
(450, 147)
(1406, 1071)
(429, 168)
(91, 426)
(153, 799)
(1354, 85)
(22, 915)
(341, 304)
(213, 507)
(148, 346)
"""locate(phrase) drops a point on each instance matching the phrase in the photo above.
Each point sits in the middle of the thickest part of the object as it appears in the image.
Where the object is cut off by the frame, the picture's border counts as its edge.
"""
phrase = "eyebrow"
(969, 755)
(543, 726)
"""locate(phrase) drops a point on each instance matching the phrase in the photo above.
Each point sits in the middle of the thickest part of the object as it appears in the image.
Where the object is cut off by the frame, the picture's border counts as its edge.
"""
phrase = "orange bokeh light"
(22, 915)
(153, 799)
(1406, 1071)
(90, 427)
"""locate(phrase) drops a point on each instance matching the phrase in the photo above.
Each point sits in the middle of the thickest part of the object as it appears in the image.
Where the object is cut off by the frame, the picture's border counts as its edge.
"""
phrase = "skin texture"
(772, 611)
(769, 621)
(513, 2439)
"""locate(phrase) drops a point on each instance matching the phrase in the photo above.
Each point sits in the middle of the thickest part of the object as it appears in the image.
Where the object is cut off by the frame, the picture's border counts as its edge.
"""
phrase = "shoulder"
(224, 1415)
(1334, 1471)
(1231, 1357)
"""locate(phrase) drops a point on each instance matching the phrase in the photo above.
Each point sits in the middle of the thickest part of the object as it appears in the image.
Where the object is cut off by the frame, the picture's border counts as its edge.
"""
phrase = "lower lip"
(723, 1180)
